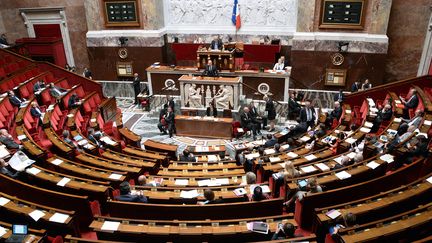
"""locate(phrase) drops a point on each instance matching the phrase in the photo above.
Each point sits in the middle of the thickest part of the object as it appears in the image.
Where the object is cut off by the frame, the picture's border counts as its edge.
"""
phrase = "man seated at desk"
(14, 100)
(56, 92)
(126, 195)
(216, 43)
(210, 70)
(7, 140)
(5, 169)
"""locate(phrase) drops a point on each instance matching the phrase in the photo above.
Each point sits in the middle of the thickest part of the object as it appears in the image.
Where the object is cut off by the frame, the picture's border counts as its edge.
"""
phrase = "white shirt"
(278, 66)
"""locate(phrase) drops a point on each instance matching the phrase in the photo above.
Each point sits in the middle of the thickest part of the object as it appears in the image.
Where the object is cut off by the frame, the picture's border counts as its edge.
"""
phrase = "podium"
(197, 92)
(224, 60)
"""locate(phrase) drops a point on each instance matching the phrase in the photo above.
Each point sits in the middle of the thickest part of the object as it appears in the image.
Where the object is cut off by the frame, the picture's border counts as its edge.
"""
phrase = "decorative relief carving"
(218, 12)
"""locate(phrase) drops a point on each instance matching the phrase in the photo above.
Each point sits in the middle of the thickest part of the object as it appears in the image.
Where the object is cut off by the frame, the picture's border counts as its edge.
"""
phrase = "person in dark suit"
(36, 112)
(169, 119)
(87, 73)
(187, 156)
(211, 109)
(271, 141)
(307, 114)
(355, 86)
(7, 140)
(170, 102)
(142, 181)
(210, 198)
(55, 91)
(126, 196)
(91, 136)
(39, 85)
(257, 118)
(336, 113)
(14, 100)
(383, 114)
(6, 170)
(293, 107)
(247, 122)
(271, 112)
(285, 231)
(162, 123)
(411, 103)
(74, 101)
(137, 87)
(339, 97)
(67, 139)
(210, 70)
(216, 43)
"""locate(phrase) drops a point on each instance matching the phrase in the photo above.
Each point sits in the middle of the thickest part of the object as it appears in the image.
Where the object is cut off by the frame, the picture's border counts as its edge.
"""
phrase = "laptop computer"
(19, 233)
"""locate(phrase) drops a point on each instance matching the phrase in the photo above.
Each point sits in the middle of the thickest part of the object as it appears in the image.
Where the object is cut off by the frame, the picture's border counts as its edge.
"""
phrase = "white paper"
(338, 160)
(115, 176)
(57, 161)
(3, 201)
(368, 124)
(203, 182)
(110, 226)
(397, 101)
(70, 115)
(427, 122)
(348, 111)
(181, 182)
(365, 130)
(212, 158)
(343, 175)
(274, 159)
(239, 129)
(3, 231)
(259, 142)
(292, 155)
(310, 157)
(350, 140)
(305, 138)
(36, 215)
(391, 132)
(265, 188)
(387, 158)
(372, 165)
(333, 214)
(269, 151)
(83, 142)
(429, 179)
(3, 152)
(93, 120)
(351, 155)
(285, 146)
(282, 165)
(189, 194)
(59, 218)
(322, 167)
(19, 161)
(397, 120)
(107, 140)
(223, 181)
(252, 156)
(240, 191)
(63, 181)
(22, 137)
(33, 171)
(308, 169)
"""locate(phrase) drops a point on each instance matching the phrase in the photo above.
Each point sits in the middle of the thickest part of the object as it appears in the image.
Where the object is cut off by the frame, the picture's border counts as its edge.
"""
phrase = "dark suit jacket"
(253, 112)
(169, 118)
(72, 103)
(131, 198)
(188, 158)
(219, 43)
(37, 87)
(354, 87)
(246, 120)
(6, 171)
(55, 94)
(386, 115)
(303, 115)
(15, 101)
(10, 143)
(412, 102)
(211, 71)
(35, 113)
(339, 97)
(270, 143)
(171, 104)
(336, 113)
(93, 140)
(293, 106)
(270, 109)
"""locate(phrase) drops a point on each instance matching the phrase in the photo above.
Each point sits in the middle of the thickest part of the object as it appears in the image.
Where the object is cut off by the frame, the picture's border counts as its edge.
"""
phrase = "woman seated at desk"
(279, 66)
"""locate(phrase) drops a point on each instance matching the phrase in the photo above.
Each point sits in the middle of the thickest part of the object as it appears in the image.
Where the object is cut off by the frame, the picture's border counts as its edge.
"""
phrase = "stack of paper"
(285, 146)
(397, 120)
(322, 167)
(368, 124)
(3, 152)
(22, 137)
(429, 179)
(223, 181)
(308, 169)
(181, 182)
(212, 158)
(33, 171)
(252, 156)
(4, 201)
(57, 161)
(115, 176)
(269, 151)
(274, 159)
(343, 175)
(292, 155)
(240, 192)
(189, 194)
(305, 138)
(110, 226)
(351, 155)
(63, 181)
(203, 182)
(3, 231)
(350, 140)
(372, 165)
(333, 214)
(427, 122)
(59, 218)
(365, 130)
(387, 158)
(36, 215)
(310, 157)
(338, 160)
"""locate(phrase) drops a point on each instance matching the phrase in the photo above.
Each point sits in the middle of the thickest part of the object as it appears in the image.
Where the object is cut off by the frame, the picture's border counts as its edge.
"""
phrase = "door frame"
(426, 57)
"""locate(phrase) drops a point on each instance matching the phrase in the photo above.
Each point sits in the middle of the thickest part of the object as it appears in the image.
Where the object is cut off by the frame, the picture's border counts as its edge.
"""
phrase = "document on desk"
(240, 192)
(63, 181)
(115, 176)
(223, 181)
(3, 231)
(36, 215)
(189, 194)
(181, 182)
(429, 179)
(59, 218)
(333, 214)
(387, 158)
(33, 171)
(373, 165)
(3, 152)
(4, 201)
(322, 167)
(274, 159)
(203, 182)
(308, 169)
(310, 157)
(212, 158)
(269, 151)
(110, 226)
(57, 162)
(292, 155)
(343, 175)
(305, 138)
(350, 140)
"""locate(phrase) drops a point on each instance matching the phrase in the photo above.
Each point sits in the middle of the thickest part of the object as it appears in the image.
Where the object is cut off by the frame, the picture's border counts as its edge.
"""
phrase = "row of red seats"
(14, 81)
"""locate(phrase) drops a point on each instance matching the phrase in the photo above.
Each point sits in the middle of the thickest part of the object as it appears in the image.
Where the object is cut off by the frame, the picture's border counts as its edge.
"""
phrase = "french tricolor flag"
(236, 15)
